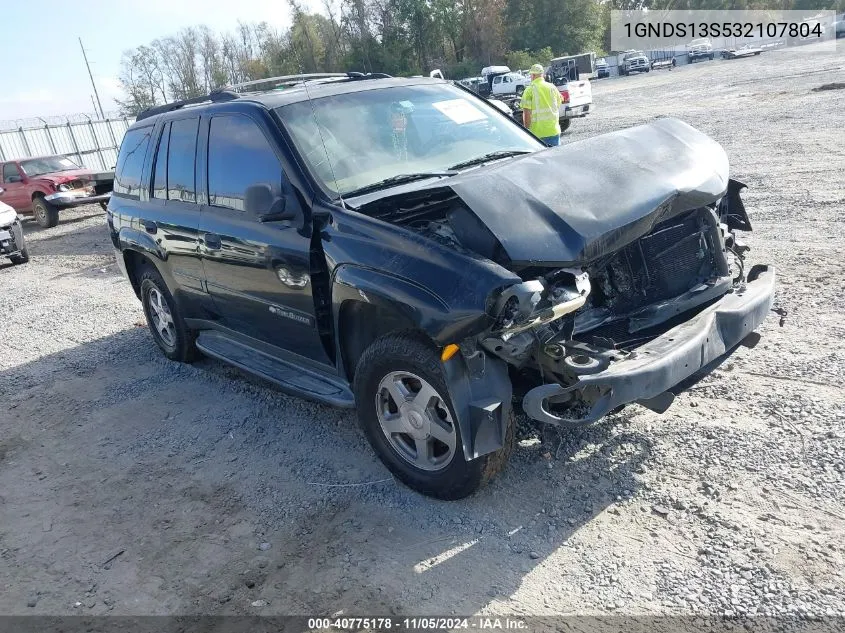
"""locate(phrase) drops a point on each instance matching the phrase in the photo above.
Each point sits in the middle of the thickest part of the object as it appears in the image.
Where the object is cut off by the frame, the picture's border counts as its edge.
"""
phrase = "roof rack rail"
(288, 80)
(215, 96)
(283, 80)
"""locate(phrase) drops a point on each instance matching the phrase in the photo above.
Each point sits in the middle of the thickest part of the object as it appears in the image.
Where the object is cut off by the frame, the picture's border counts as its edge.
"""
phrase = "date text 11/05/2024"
(426, 623)
(723, 29)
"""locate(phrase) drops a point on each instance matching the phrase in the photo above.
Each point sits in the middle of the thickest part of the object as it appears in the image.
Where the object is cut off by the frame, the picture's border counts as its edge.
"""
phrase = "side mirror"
(260, 200)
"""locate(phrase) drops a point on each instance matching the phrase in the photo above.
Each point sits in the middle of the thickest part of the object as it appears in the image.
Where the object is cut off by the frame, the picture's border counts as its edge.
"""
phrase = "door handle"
(213, 241)
(150, 226)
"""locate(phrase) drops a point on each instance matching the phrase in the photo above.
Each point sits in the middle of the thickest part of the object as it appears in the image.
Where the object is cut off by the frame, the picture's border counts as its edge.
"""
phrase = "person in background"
(540, 107)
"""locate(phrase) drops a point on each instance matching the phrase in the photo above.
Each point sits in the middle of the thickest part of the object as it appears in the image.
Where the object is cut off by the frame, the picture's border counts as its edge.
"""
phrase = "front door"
(14, 190)
(258, 273)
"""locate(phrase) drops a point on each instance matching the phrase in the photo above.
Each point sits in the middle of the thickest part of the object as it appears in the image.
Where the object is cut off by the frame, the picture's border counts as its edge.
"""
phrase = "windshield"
(369, 136)
(38, 166)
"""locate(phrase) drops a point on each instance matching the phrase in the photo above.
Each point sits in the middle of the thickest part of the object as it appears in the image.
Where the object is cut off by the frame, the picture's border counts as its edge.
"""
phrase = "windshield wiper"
(499, 153)
(398, 180)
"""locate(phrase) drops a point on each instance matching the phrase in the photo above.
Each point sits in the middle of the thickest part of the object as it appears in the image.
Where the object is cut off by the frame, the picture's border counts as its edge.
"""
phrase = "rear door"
(14, 190)
(172, 215)
(258, 273)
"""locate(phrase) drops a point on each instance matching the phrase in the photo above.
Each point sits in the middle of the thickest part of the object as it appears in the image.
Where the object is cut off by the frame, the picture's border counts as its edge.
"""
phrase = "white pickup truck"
(632, 62)
(577, 98)
(509, 84)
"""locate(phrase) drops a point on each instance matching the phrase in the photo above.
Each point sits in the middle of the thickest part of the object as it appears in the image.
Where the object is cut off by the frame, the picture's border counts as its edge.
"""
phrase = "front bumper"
(11, 239)
(662, 363)
(70, 199)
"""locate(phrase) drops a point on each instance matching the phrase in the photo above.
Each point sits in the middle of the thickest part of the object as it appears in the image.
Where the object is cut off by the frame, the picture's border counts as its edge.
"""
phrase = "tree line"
(398, 37)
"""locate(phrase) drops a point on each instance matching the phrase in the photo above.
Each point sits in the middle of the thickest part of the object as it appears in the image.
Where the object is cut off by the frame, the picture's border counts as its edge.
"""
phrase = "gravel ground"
(134, 485)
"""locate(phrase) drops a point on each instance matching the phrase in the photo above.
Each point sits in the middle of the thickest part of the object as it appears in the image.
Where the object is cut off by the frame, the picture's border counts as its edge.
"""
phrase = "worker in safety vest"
(540, 107)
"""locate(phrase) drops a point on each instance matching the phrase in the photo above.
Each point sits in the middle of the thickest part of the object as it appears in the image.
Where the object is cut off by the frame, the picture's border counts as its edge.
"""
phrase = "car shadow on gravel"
(30, 226)
(212, 473)
(81, 241)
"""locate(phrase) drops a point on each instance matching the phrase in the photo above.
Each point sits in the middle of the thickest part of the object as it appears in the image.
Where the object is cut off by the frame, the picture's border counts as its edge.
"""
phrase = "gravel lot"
(134, 485)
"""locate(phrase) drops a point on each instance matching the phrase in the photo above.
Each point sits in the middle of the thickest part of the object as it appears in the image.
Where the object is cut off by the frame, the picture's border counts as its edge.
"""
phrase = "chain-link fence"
(85, 139)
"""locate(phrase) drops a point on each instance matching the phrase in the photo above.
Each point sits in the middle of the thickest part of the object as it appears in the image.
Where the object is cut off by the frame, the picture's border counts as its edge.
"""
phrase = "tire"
(174, 339)
(405, 364)
(45, 213)
(20, 258)
(711, 57)
(564, 124)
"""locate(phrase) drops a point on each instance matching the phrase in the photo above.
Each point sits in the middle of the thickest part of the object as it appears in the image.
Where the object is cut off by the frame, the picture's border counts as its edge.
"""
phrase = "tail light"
(565, 95)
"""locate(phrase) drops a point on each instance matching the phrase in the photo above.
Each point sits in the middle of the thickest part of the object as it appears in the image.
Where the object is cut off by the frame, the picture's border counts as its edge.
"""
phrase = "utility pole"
(96, 94)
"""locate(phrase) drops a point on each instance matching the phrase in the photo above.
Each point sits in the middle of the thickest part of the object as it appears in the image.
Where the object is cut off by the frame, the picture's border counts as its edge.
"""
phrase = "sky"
(47, 76)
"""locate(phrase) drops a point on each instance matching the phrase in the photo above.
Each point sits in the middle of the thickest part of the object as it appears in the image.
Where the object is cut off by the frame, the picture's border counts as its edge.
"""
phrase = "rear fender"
(141, 243)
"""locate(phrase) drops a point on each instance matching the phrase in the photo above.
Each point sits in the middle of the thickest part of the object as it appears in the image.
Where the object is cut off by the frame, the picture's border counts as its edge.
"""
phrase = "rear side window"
(181, 159)
(130, 161)
(239, 155)
(10, 170)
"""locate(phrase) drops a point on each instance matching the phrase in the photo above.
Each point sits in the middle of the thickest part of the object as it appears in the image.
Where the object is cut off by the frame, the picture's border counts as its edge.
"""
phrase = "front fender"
(405, 302)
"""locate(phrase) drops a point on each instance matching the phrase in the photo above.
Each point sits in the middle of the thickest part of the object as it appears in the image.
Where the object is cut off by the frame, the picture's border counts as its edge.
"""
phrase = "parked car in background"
(41, 187)
(839, 27)
(509, 84)
(602, 69)
(700, 49)
(744, 51)
(12, 243)
(577, 96)
(633, 62)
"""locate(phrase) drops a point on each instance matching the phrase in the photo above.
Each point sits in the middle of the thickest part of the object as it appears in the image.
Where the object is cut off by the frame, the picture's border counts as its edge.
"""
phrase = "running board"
(292, 379)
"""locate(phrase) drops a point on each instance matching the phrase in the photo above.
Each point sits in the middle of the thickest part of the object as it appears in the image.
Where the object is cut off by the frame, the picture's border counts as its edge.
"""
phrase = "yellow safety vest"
(543, 100)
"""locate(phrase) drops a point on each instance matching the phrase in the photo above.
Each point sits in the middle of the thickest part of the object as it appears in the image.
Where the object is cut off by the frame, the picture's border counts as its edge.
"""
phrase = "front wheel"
(45, 213)
(406, 412)
(21, 258)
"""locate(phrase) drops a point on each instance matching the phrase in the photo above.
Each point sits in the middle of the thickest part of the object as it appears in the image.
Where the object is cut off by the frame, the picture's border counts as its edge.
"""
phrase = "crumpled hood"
(66, 176)
(569, 205)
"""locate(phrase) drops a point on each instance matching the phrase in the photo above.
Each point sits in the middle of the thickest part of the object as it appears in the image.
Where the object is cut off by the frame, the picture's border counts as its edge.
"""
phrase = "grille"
(674, 257)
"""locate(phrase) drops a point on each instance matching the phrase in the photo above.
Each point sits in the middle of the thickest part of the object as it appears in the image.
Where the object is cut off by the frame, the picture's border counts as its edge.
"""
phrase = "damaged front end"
(651, 315)
(633, 278)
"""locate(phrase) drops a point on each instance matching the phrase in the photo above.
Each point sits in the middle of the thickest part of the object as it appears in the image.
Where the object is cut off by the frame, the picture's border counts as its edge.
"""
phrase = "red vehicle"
(42, 186)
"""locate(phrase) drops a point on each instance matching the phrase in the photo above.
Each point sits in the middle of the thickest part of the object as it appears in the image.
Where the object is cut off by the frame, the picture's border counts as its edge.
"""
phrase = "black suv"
(402, 246)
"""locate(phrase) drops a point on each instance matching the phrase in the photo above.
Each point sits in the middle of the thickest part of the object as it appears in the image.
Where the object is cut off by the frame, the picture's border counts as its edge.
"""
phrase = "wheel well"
(134, 262)
(37, 194)
(359, 325)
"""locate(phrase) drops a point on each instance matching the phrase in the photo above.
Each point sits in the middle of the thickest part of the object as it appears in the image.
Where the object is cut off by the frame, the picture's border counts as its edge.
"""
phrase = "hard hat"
(536, 69)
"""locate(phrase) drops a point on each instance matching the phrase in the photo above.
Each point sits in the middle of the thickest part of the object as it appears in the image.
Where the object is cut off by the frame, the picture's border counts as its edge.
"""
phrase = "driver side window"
(239, 156)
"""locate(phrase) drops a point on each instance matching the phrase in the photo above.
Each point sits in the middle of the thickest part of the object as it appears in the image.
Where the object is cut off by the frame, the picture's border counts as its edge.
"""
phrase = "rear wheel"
(564, 125)
(164, 318)
(45, 213)
(406, 412)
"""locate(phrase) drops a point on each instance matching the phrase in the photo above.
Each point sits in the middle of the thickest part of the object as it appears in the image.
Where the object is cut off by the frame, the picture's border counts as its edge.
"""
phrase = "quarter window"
(239, 155)
(181, 158)
(130, 161)
(160, 176)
